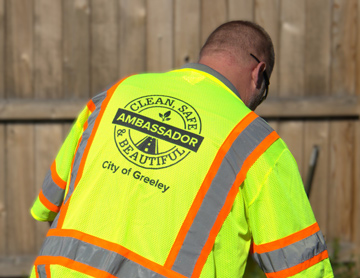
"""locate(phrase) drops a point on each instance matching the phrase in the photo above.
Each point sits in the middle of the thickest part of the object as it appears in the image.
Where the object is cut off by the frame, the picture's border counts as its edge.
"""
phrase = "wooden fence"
(54, 55)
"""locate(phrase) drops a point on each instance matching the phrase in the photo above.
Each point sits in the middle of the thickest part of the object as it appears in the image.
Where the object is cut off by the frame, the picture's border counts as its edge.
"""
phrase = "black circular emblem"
(157, 131)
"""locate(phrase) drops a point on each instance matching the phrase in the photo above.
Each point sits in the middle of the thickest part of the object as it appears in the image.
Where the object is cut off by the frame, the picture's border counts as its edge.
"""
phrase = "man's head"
(242, 51)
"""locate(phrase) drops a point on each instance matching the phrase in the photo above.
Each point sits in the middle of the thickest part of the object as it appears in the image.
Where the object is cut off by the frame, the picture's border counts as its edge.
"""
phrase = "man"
(173, 175)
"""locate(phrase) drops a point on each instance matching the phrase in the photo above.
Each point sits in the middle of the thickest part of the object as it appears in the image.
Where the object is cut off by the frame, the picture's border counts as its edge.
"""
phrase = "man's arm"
(50, 198)
(287, 241)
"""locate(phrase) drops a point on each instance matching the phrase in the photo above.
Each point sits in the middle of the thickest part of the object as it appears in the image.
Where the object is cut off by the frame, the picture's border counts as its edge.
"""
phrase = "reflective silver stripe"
(52, 191)
(216, 196)
(41, 270)
(79, 154)
(95, 256)
(291, 255)
(55, 222)
(97, 100)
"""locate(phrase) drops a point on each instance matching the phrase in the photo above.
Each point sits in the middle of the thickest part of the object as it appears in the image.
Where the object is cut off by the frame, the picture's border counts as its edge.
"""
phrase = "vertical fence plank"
(292, 134)
(358, 54)
(340, 204)
(241, 10)
(48, 139)
(267, 14)
(20, 188)
(2, 48)
(187, 31)
(76, 48)
(132, 56)
(344, 33)
(3, 207)
(318, 46)
(159, 54)
(356, 218)
(104, 44)
(291, 64)
(213, 13)
(291, 71)
(356, 198)
(317, 134)
(19, 49)
(48, 50)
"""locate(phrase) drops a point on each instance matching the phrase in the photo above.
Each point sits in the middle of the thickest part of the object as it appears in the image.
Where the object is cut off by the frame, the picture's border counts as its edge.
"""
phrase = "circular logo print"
(157, 131)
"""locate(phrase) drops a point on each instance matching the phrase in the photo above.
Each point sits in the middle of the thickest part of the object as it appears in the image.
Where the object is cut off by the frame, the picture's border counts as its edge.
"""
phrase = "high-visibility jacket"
(171, 175)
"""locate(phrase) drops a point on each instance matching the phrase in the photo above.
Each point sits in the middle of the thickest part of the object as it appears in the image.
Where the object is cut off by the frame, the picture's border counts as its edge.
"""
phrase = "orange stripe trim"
(117, 249)
(36, 271)
(47, 203)
(56, 178)
(286, 241)
(91, 105)
(205, 186)
(259, 150)
(300, 267)
(96, 125)
(250, 160)
(64, 206)
(80, 267)
(85, 126)
(64, 209)
(89, 143)
(47, 271)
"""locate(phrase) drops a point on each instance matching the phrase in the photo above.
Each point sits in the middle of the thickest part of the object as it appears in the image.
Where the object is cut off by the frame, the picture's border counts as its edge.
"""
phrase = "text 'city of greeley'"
(158, 129)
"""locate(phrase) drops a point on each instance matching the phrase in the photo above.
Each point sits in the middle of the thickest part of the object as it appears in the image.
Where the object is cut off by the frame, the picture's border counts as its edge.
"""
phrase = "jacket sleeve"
(287, 241)
(51, 196)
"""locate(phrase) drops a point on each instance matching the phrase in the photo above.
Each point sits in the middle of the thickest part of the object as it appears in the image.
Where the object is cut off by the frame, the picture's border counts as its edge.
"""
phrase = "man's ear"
(257, 74)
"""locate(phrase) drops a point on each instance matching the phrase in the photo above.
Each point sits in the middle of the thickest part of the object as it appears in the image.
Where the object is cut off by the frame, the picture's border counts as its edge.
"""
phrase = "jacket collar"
(214, 73)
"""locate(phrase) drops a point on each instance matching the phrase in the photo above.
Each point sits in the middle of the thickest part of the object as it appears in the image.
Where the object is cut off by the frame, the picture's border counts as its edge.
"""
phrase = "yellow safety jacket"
(171, 175)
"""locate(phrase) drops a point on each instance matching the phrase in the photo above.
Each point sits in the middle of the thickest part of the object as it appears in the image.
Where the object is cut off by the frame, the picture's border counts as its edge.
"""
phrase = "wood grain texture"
(104, 44)
(292, 132)
(19, 58)
(317, 134)
(317, 47)
(3, 208)
(187, 32)
(2, 48)
(48, 49)
(356, 196)
(159, 35)
(132, 28)
(343, 48)
(2, 134)
(213, 13)
(358, 54)
(40, 110)
(304, 108)
(310, 107)
(356, 219)
(20, 189)
(340, 202)
(76, 48)
(48, 139)
(267, 15)
(291, 64)
(241, 10)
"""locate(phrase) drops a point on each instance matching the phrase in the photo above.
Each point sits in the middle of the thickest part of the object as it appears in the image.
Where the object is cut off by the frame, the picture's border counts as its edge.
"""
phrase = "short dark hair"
(241, 36)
